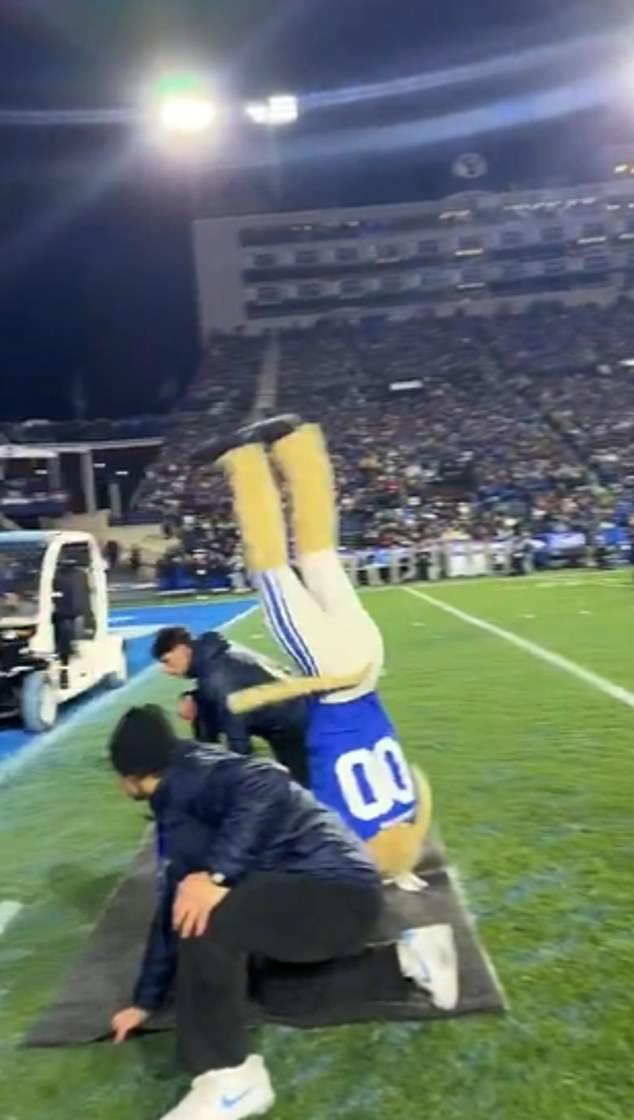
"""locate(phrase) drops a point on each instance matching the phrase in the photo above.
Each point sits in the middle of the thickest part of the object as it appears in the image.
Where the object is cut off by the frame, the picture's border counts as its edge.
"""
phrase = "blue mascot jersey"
(357, 767)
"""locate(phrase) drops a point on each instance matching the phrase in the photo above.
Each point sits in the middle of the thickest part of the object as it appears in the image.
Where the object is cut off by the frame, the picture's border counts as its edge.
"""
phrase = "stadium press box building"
(476, 250)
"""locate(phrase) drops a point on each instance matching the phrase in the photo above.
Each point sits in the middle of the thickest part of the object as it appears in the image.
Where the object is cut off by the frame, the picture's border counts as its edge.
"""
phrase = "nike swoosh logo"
(231, 1102)
(425, 974)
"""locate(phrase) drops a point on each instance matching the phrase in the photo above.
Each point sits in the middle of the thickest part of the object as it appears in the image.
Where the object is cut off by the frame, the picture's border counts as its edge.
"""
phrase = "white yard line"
(564, 664)
(616, 578)
(460, 889)
(98, 706)
(129, 632)
(8, 911)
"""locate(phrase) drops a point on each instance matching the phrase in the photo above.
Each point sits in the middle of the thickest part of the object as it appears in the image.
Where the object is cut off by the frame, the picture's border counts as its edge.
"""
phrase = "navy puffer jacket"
(234, 816)
(219, 669)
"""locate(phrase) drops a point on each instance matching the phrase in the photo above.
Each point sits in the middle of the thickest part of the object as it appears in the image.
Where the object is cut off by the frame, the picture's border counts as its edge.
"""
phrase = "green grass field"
(533, 772)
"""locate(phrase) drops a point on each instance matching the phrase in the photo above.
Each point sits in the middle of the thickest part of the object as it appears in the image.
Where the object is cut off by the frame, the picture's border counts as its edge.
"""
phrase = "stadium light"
(187, 116)
(182, 105)
(281, 109)
(258, 112)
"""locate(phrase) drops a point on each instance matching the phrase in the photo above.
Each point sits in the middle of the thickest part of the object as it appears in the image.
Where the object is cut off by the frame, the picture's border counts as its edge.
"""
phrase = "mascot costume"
(357, 767)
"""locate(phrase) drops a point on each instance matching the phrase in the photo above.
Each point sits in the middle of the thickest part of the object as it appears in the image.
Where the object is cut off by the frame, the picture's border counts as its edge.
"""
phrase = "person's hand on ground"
(126, 1021)
(186, 708)
(196, 897)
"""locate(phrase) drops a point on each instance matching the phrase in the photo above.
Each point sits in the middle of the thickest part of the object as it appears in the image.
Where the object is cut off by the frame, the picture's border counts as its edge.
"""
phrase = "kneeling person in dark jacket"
(219, 669)
(251, 866)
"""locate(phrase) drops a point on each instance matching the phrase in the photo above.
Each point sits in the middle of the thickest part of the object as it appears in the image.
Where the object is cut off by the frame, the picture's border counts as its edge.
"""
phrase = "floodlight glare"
(276, 111)
(258, 112)
(283, 109)
(187, 114)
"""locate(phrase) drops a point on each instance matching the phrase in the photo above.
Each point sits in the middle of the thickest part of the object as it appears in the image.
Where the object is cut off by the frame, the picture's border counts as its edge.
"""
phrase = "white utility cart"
(52, 584)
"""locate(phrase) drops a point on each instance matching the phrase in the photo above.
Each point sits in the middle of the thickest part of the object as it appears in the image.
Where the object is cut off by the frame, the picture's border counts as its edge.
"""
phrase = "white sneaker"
(228, 1094)
(428, 957)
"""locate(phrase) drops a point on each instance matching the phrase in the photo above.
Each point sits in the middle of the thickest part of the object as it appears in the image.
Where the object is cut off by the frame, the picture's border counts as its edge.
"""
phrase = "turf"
(534, 780)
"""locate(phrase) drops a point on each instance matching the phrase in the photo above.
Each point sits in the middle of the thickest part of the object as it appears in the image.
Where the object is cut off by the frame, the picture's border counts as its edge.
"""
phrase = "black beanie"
(142, 743)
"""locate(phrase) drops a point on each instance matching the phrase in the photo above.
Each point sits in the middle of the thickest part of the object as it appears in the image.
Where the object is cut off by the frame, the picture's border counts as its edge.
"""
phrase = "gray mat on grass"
(101, 979)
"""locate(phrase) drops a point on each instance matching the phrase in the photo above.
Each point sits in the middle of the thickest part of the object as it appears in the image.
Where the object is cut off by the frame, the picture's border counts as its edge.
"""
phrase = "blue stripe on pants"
(283, 626)
(277, 628)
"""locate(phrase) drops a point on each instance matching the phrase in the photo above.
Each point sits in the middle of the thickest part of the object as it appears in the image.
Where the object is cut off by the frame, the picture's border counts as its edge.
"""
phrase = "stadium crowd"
(440, 427)
(218, 399)
(190, 500)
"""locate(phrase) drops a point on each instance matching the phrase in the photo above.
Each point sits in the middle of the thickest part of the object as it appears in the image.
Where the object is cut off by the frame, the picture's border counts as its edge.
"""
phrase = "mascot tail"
(289, 688)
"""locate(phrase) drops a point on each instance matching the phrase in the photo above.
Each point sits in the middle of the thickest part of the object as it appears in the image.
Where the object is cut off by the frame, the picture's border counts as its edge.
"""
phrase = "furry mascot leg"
(303, 460)
(257, 508)
(303, 630)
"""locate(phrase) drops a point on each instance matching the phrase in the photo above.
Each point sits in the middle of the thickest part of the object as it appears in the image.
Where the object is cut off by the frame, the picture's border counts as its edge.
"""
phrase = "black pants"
(282, 918)
(64, 629)
(290, 751)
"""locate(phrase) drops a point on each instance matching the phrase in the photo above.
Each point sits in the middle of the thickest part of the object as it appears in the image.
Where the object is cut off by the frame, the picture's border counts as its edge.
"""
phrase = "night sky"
(96, 297)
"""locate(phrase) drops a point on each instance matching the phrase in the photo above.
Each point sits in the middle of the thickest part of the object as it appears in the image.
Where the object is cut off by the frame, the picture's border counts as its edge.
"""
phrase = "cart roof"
(42, 537)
